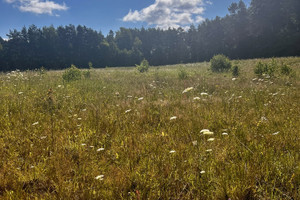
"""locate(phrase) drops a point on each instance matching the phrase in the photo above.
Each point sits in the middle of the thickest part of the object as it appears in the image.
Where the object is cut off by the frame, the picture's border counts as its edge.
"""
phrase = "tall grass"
(125, 135)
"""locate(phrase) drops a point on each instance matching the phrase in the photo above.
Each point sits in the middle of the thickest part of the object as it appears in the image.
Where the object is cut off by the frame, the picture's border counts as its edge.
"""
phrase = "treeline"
(267, 28)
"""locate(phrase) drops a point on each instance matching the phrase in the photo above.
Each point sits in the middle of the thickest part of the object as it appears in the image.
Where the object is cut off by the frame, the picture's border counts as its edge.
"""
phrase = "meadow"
(121, 134)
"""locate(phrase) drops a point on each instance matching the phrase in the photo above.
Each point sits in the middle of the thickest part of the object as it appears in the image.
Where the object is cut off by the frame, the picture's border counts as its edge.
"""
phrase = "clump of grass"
(235, 71)
(182, 73)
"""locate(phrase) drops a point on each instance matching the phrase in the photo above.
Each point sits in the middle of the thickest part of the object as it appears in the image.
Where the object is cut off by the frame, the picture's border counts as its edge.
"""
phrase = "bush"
(266, 68)
(87, 74)
(285, 70)
(72, 74)
(182, 73)
(143, 67)
(235, 70)
(220, 63)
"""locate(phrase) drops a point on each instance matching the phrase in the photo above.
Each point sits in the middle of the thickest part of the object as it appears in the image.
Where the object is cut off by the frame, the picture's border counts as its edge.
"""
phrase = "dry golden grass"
(57, 138)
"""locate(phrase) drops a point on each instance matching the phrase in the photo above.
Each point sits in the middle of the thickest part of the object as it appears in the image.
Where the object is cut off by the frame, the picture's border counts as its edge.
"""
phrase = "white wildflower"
(195, 143)
(100, 177)
(196, 98)
(263, 119)
(187, 89)
(127, 111)
(140, 99)
(83, 144)
(20, 93)
(211, 139)
(43, 137)
(204, 94)
(202, 172)
(79, 118)
(206, 132)
(83, 110)
(35, 123)
(172, 151)
(100, 149)
(173, 118)
(233, 79)
(276, 133)
(91, 146)
(209, 150)
(59, 86)
(224, 133)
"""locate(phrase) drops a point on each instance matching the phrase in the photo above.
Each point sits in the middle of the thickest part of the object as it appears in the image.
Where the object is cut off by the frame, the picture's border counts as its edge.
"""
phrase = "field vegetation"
(174, 132)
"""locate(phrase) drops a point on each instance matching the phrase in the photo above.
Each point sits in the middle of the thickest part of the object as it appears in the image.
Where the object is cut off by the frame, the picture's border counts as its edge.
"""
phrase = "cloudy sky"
(108, 15)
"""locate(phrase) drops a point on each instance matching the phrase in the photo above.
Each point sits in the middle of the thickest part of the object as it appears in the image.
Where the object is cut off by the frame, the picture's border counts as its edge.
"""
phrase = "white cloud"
(38, 6)
(169, 13)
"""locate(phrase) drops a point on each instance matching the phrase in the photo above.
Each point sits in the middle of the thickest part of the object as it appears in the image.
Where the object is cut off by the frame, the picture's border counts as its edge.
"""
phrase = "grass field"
(122, 134)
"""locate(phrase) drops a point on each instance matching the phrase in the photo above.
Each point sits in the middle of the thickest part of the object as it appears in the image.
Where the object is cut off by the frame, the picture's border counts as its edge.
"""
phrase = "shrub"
(220, 63)
(266, 68)
(182, 73)
(87, 74)
(235, 70)
(285, 70)
(91, 65)
(42, 70)
(71, 74)
(143, 67)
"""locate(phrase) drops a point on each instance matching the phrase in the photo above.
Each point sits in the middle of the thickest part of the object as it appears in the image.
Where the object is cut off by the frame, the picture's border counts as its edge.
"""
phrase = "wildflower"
(100, 177)
(211, 139)
(31, 166)
(209, 150)
(79, 118)
(91, 146)
(59, 86)
(204, 94)
(100, 149)
(172, 151)
(83, 144)
(43, 137)
(127, 111)
(233, 79)
(173, 118)
(206, 132)
(187, 90)
(276, 133)
(140, 99)
(129, 96)
(117, 93)
(263, 119)
(202, 172)
(20, 93)
(35, 123)
(83, 110)
(196, 98)
(224, 133)
(195, 143)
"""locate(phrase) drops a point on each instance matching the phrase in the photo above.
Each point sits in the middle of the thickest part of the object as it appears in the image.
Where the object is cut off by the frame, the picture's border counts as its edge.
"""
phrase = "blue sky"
(108, 15)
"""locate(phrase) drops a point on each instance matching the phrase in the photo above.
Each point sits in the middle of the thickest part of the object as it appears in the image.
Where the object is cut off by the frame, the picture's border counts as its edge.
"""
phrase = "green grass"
(50, 132)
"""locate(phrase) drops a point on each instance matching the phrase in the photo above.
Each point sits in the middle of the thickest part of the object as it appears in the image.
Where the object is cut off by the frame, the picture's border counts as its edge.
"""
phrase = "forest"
(266, 28)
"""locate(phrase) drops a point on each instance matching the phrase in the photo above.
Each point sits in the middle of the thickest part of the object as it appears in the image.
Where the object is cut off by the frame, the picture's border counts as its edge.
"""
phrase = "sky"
(105, 15)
